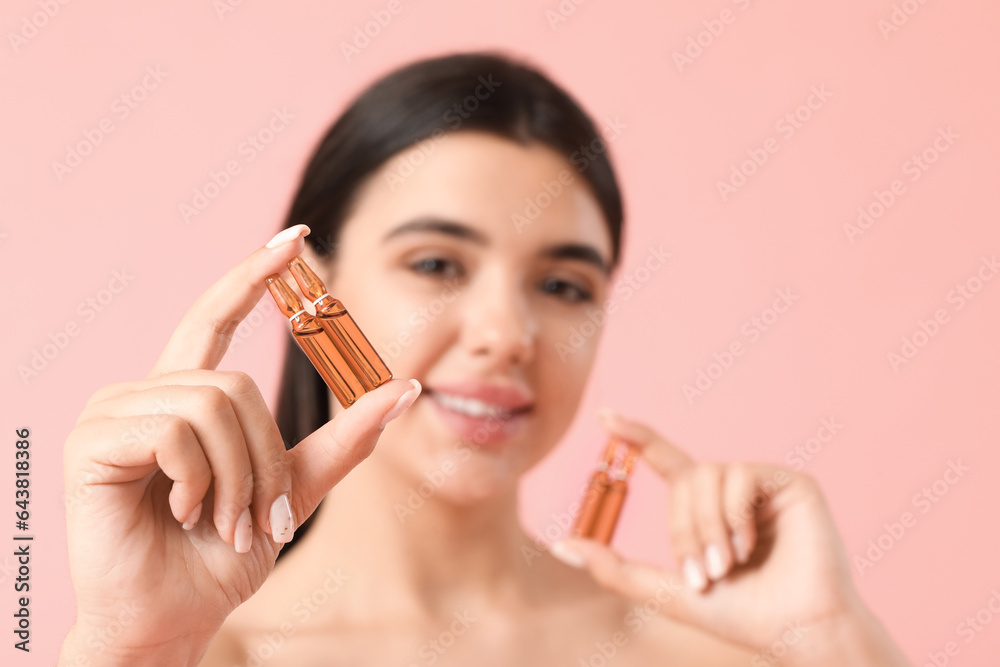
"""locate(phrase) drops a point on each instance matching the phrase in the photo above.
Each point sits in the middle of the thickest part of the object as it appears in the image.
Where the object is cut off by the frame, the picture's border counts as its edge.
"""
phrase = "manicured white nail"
(566, 555)
(404, 401)
(282, 524)
(244, 532)
(694, 575)
(286, 235)
(713, 563)
(192, 518)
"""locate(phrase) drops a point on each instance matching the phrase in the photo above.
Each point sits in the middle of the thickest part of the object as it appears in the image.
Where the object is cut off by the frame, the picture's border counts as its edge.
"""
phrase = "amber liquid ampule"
(316, 344)
(607, 518)
(614, 499)
(346, 335)
(593, 497)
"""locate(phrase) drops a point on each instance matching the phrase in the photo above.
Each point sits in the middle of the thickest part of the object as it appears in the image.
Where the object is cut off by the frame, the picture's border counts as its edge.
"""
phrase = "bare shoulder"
(602, 627)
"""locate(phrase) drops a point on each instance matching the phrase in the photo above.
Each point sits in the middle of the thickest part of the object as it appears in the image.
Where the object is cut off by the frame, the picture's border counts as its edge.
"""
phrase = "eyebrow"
(578, 251)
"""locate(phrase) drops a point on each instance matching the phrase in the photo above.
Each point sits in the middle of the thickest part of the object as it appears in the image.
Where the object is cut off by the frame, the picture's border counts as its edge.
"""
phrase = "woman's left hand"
(761, 560)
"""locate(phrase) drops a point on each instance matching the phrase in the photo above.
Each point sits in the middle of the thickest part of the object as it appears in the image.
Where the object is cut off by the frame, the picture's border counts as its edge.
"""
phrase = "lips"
(485, 413)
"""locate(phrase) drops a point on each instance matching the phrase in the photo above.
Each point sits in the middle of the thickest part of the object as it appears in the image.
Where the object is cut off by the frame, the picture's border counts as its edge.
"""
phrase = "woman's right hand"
(179, 490)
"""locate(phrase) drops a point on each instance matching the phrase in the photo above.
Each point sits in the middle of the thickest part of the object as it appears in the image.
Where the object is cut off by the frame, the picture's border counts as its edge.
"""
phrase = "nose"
(499, 327)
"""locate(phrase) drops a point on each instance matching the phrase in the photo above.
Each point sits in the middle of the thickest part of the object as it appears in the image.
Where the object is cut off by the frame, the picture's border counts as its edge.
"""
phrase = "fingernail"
(282, 524)
(192, 518)
(405, 401)
(244, 532)
(713, 563)
(740, 547)
(286, 235)
(566, 555)
(694, 575)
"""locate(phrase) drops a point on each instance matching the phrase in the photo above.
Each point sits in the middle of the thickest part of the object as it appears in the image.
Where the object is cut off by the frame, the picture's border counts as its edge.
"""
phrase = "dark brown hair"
(476, 91)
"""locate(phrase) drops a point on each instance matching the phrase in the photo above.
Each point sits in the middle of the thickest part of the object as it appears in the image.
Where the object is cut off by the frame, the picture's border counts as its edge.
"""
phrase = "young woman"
(182, 490)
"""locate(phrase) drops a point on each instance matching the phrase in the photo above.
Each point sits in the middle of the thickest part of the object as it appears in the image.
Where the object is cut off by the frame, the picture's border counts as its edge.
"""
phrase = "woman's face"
(473, 273)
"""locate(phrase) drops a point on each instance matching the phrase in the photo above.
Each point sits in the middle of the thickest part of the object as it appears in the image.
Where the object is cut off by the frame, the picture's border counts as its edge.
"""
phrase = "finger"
(740, 502)
(712, 529)
(326, 455)
(660, 588)
(119, 451)
(684, 537)
(661, 455)
(211, 417)
(272, 479)
(203, 335)
(272, 483)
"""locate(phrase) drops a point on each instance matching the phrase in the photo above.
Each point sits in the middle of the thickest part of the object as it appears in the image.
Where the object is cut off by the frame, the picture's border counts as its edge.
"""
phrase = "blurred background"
(823, 177)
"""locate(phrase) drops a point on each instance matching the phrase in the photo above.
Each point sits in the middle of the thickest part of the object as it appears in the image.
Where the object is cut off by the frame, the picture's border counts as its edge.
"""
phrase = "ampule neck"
(327, 306)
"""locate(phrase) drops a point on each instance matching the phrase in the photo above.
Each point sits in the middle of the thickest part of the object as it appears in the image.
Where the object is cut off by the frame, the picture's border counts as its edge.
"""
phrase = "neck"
(405, 554)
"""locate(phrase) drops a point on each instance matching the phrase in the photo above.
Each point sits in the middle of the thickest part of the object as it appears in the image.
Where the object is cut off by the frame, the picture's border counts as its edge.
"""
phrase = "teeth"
(470, 406)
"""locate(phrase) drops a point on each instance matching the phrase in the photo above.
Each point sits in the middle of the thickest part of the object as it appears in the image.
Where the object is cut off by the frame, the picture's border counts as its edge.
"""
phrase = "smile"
(473, 407)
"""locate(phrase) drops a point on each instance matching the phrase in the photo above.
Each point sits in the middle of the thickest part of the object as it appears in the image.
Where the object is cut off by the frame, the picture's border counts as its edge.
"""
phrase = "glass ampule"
(607, 518)
(362, 358)
(593, 497)
(316, 343)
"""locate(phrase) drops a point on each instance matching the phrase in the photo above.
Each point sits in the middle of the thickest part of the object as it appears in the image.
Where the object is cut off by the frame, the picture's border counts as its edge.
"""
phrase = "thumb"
(647, 585)
(322, 459)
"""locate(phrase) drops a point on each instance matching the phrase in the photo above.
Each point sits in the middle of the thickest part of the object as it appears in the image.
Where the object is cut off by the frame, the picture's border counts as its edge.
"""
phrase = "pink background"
(784, 229)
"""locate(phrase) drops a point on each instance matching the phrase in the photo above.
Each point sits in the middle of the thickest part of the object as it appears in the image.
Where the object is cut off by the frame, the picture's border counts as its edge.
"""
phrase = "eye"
(566, 290)
(437, 266)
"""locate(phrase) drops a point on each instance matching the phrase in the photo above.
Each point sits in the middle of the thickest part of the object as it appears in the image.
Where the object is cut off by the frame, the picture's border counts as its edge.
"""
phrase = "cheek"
(410, 330)
(565, 356)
